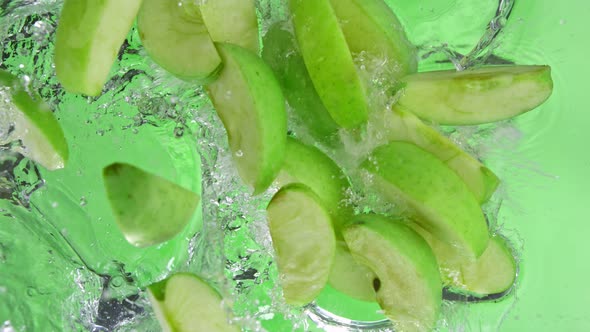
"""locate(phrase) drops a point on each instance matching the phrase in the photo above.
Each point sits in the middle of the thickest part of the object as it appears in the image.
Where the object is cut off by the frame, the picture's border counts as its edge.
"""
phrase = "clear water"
(63, 264)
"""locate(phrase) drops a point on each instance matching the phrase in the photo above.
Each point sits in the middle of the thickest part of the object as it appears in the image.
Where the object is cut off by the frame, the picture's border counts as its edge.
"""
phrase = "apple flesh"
(249, 101)
(42, 137)
(89, 36)
(406, 279)
(148, 208)
(476, 96)
(176, 38)
(430, 192)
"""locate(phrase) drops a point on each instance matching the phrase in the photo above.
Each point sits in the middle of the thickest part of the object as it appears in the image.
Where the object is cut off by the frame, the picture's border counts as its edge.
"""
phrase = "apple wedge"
(476, 96)
(350, 277)
(304, 242)
(371, 26)
(175, 37)
(185, 303)
(148, 208)
(89, 36)
(401, 125)
(492, 273)
(329, 61)
(232, 21)
(282, 54)
(249, 101)
(425, 188)
(34, 124)
(406, 279)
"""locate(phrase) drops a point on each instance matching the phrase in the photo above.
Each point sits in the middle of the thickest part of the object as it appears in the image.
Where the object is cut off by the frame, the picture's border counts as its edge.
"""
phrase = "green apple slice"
(493, 272)
(431, 193)
(42, 137)
(304, 242)
(349, 277)
(89, 36)
(282, 54)
(404, 126)
(148, 208)
(249, 101)
(185, 303)
(329, 61)
(406, 279)
(476, 96)
(175, 37)
(232, 21)
(371, 26)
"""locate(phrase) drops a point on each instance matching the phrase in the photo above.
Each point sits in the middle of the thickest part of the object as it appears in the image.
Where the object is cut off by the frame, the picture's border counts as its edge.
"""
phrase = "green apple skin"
(494, 272)
(282, 54)
(35, 124)
(89, 36)
(249, 101)
(233, 22)
(421, 185)
(406, 278)
(477, 96)
(371, 26)
(404, 126)
(176, 38)
(329, 61)
(303, 238)
(186, 303)
(148, 208)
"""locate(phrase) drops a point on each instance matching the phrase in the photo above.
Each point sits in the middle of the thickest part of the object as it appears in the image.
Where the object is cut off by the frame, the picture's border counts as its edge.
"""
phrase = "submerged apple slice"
(186, 303)
(175, 37)
(492, 273)
(148, 209)
(404, 126)
(282, 54)
(329, 61)
(431, 192)
(350, 277)
(34, 124)
(89, 35)
(406, 281)
(370, 26)
(304, 242)
(232, 21)
(476, 96)
(249, 101)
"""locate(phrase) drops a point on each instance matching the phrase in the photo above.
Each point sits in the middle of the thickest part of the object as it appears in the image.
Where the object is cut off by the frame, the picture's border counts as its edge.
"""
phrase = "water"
(63, 264)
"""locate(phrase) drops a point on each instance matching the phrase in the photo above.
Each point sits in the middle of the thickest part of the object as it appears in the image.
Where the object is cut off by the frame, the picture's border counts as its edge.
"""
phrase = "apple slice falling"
(406, 279)
(148, 208)
(249, 101)
(42, 137)
(304, 242)
(476, 96)
(89, 36)
(428, 190)
(186, 303)
(175, 36)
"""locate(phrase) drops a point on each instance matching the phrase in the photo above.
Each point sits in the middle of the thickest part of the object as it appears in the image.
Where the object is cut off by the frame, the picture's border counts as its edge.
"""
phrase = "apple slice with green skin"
(89, 36)
(430, 192)
(371, 26)
(476, 96)
(282, 54)
(406, 279)
(349, 277)
(176, 38)
(232, 21)
(329, 61)
(401, 125)
(185, 303)
(304, 242)
(42, 137)
(492, 273)
(249, 101)
(148, 208)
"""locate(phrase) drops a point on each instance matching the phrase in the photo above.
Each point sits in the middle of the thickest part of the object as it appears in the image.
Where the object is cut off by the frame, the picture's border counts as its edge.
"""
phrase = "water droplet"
(31, 291)
(239, 153)
(100, 132)
(54, 204)
(178, 131)
(83, 201)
